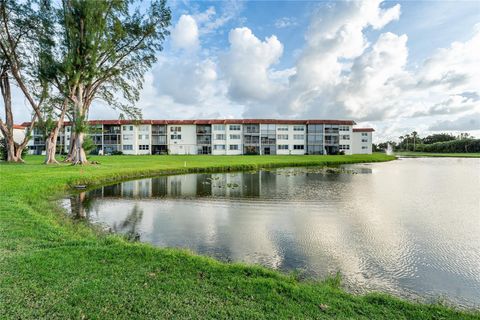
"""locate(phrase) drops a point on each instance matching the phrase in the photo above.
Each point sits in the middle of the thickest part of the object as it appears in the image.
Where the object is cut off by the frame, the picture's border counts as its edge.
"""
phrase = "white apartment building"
(223, 137)
(362, 140)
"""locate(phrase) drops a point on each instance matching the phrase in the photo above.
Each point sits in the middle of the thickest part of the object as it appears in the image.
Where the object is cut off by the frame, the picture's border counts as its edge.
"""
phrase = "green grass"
(412, 154)
(54, 268)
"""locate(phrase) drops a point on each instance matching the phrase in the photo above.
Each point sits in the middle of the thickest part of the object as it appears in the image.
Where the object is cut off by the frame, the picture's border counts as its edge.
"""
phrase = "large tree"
(17, 31)
(109, 45)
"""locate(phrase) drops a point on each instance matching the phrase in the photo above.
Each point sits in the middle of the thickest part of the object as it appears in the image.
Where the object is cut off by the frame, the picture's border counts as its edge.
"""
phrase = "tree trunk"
(7, 127)
(18, 153)
(51, 147)
(51, 142)
(78, 154)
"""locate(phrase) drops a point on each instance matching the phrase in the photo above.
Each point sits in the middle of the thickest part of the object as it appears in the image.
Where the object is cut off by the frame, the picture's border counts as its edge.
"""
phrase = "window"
(364, 140)
(147, 136)
(234, 127)
(282, 147)
(176, 136)
(220, 136)
(298, 128)
(364, 147)
(344, 128)
(282, 136)
(145, 128)
(364, 134)
(139, 137)
(234, 147)
(68, 129)
(282, 128)
(344, 147)
(234, 137)
(219, 147)
(127, 147)
(218, 127)
(298, 147)
(298, 137)
(144, 147)
(345, 137)
(127, 137)
(127, 128)
(175, 129)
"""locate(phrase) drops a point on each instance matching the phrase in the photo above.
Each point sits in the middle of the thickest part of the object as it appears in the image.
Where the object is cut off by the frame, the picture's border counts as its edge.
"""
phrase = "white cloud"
(285, 22)
(246, 65)
(210, 21)
(185, 33)
(186, 80)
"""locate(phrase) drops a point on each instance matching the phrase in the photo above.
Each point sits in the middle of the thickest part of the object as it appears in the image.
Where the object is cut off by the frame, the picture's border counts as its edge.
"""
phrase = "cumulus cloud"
(187, 81)
(246, 65)
(185, 33)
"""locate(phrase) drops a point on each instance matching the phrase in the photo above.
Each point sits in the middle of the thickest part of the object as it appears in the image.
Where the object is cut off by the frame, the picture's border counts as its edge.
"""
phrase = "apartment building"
(362, 140)
(221, 137)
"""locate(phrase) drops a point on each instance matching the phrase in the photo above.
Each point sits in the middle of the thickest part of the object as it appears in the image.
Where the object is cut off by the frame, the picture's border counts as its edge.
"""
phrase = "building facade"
(220, 137)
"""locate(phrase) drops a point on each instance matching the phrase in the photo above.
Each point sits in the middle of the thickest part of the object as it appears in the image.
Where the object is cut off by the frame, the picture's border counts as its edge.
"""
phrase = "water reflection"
(411, 227)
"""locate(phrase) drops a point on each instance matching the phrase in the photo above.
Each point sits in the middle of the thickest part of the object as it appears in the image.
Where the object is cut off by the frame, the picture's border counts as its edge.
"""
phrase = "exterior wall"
(219, 139)
(345, 144)
(129, 139)
(293, 134)
(234, 138)
(182, 141)
(362, 143)
(143, 138)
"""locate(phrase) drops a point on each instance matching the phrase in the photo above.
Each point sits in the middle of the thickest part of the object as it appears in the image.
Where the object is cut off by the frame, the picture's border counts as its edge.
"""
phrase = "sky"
(395, 66)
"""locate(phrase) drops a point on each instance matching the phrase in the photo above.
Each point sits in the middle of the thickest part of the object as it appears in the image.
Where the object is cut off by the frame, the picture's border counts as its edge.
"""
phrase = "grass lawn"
(430, 154)
(53, 268)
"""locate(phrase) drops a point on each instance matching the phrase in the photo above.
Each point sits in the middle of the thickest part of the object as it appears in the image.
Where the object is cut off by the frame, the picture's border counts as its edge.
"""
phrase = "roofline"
(363, 130)
(216, 121)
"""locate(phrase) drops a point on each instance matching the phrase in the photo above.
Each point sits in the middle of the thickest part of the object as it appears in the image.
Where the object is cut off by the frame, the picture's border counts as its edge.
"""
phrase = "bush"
(454, 146)
(117, 153)
(3, 150)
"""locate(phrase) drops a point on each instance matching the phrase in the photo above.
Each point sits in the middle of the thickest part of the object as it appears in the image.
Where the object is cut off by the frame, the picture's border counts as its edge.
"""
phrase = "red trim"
(215, 121)
(17, 126)
(363, 130)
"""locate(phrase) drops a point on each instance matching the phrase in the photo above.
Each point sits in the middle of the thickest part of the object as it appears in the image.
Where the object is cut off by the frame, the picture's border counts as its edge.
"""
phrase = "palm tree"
(414, 135)
(407, 136)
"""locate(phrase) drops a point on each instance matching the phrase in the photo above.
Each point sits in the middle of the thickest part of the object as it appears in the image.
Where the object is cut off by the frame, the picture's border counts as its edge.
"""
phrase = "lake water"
(410, 227)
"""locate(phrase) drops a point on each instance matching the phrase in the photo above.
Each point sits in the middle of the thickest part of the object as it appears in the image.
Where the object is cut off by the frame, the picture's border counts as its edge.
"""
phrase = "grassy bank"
(412, 154)
(53, 268)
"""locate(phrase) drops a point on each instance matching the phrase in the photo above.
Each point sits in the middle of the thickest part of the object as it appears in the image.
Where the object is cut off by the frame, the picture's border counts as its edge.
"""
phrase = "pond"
(410, 227)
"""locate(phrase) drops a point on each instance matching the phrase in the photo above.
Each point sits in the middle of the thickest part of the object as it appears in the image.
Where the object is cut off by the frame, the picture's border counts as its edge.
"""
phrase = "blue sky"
(398, 66)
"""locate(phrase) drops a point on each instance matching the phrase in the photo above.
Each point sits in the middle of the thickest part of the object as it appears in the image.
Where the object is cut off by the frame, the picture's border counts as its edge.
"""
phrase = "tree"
(109, 46)
(18, 34)
(438, 137)
(414, 136)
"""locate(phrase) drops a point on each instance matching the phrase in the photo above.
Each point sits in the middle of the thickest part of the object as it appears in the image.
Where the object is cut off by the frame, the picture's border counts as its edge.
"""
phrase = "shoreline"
(54, 243)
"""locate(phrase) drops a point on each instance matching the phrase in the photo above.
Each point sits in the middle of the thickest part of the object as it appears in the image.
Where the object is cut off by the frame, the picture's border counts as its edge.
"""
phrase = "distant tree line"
(63, 55)
(439, 142)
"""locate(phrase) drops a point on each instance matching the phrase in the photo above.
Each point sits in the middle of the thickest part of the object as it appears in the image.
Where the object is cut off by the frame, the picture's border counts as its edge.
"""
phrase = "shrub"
(454, 146)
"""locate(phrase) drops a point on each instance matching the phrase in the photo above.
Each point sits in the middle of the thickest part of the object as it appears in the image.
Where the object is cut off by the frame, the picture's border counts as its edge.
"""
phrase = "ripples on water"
(409, 227)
